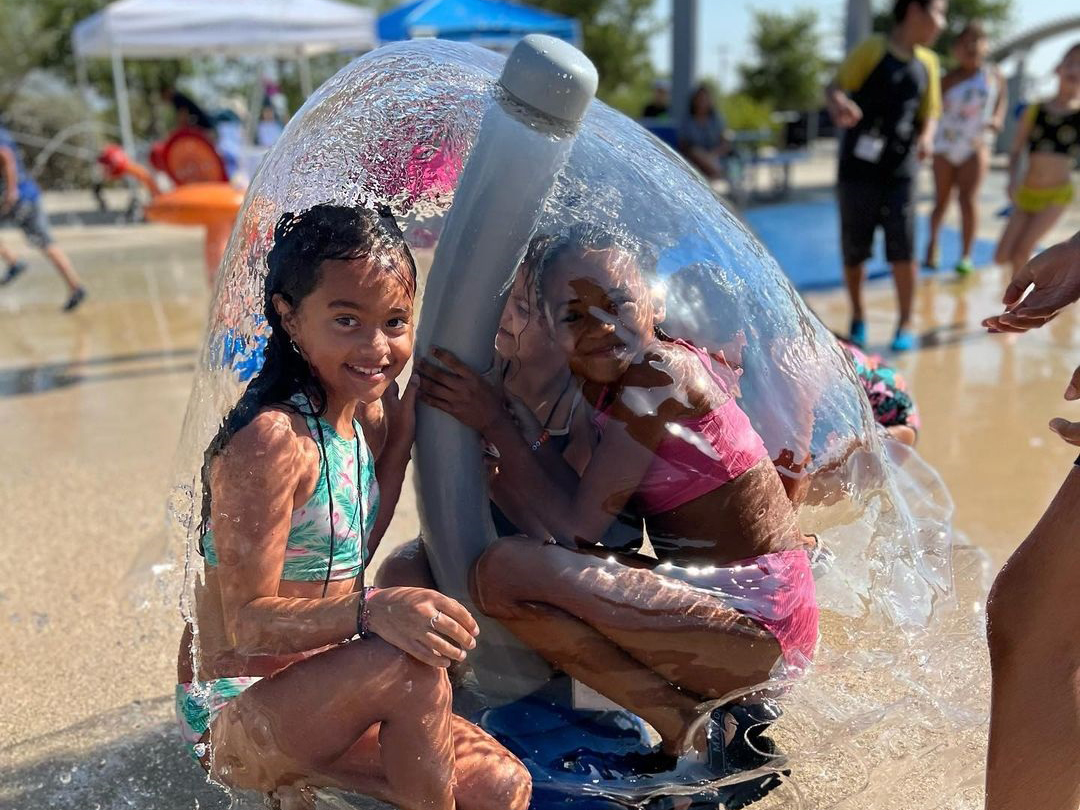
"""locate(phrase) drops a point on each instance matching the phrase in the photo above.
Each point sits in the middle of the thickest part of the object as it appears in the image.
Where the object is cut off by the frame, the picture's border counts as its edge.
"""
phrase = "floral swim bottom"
(197, 704)
(886, 389)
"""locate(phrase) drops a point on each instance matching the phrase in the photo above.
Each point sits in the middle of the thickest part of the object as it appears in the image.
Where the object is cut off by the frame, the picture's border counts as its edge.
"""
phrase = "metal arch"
(1027, 39)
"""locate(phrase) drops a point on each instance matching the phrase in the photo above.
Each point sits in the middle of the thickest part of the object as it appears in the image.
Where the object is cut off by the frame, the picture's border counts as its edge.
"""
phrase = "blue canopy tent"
(493, 24)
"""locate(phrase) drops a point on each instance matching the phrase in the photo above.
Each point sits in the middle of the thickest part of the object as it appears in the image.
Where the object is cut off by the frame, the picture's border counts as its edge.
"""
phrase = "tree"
(994, 15)
(36, 36)
(788, 66)
(616, 38)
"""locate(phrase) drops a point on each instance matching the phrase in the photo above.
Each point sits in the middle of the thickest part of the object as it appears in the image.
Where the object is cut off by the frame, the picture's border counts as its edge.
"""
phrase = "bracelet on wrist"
(543, 437)
(363, 613)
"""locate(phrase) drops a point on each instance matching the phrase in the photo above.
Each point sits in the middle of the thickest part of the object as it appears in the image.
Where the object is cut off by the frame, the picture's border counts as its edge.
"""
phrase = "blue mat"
(805, 239)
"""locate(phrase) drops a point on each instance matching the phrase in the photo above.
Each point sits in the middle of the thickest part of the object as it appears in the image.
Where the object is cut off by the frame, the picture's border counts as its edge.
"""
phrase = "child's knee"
(490, 577)
(507, 786)
(406, 567)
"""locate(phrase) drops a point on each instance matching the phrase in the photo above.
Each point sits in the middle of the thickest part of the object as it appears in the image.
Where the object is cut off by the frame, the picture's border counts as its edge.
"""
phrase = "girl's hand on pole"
(456, 389)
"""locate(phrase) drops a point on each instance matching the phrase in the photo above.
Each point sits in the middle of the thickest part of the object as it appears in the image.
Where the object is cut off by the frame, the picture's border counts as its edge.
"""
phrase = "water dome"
(886, 710)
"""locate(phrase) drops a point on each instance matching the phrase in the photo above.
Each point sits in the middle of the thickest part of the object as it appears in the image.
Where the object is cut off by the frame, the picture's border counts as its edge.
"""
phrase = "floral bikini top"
(350, 468)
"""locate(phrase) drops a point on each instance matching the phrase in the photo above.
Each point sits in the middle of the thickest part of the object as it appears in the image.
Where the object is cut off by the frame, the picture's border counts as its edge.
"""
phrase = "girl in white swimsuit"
(973, 107)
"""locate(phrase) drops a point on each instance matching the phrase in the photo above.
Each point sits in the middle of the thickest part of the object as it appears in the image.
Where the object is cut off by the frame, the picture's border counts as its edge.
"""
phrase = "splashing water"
(892, 711)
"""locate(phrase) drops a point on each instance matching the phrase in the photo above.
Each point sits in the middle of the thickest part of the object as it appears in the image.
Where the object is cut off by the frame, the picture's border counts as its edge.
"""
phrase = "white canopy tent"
(180, 29)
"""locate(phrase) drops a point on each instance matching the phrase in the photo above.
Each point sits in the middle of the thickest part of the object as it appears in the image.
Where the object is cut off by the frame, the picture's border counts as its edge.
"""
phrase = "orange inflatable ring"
(196, 204)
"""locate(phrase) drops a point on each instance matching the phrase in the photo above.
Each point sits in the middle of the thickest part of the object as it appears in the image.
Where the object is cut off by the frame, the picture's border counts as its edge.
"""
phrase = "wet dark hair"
(900, 8)
(582, 239)
(1074, 48)
(302, 242)
(528, 269)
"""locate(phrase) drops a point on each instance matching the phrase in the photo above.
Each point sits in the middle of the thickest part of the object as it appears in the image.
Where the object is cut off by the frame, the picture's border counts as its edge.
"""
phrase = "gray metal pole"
(305, 74)
(523, 143)
(684, 15)
(858, 24)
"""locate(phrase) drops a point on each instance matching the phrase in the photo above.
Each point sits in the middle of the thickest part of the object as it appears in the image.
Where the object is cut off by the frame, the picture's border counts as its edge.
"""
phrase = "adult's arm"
(1032, 762)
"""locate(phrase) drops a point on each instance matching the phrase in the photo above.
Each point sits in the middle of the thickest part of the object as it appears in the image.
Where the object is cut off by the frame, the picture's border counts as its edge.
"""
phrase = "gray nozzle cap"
(551, 76)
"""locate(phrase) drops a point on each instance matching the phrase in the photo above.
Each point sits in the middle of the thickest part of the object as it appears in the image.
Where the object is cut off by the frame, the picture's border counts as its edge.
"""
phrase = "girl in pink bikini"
(728, 601)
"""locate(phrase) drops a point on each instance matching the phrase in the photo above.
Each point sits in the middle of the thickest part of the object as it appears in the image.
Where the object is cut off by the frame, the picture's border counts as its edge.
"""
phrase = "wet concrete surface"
(91, 405)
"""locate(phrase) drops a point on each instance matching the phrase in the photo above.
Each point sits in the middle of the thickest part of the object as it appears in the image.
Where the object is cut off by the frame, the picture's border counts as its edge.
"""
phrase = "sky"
(724, 28)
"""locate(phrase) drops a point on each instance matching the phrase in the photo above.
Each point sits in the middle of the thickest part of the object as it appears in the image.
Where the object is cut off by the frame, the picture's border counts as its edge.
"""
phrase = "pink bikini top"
(699, 454)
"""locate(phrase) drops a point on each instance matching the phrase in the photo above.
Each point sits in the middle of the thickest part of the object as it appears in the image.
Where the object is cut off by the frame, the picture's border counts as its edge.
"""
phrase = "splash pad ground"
(92, 407)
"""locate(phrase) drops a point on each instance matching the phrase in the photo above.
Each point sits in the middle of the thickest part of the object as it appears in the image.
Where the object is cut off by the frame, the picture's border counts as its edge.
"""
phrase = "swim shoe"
(964, 266)
(75, 299)
(737, 743)
(13, 272)
(904, 341)
(858, 334)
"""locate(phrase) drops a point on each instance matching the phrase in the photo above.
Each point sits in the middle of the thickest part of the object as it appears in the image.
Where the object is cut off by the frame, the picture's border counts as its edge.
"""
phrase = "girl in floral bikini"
(305, 677)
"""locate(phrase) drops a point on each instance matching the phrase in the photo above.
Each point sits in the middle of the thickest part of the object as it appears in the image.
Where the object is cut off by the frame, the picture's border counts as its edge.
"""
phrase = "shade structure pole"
(81, 80)
(683, 56)
(123, 108)
(858, 23)
(305, 74)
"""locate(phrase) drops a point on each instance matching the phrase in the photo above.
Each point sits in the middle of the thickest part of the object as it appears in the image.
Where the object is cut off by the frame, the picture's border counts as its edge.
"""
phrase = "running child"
(729, 595)
(21, 206)
(306, 677)
(973, 110)
(1049, 137)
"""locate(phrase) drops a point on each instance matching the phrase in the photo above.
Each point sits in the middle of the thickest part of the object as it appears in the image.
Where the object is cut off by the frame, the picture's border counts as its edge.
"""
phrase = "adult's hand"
(429, 626)
(1055, 274)
(1069, 431)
